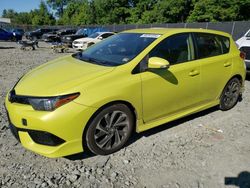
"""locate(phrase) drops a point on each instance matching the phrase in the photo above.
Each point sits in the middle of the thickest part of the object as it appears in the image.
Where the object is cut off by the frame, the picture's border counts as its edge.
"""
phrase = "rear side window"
(176, 49)
(210, 45)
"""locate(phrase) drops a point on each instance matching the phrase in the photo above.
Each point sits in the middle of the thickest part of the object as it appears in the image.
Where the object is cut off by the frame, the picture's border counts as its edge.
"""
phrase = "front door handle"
(194, 73)
(227, 64)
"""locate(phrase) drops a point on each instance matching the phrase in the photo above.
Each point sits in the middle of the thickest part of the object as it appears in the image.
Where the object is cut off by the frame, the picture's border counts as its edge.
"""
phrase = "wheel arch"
(238, 76)
(128, 104)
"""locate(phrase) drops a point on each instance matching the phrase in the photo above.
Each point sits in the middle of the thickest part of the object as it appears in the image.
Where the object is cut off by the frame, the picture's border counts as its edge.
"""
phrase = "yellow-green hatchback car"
(133, 81)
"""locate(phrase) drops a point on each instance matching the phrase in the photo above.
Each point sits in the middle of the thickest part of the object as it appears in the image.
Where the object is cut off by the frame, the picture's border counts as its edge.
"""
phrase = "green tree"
(10, 13)
(77, 13)
(219, 10)
(111, 11)
(59, 5)
(42, 16)
(141, 11)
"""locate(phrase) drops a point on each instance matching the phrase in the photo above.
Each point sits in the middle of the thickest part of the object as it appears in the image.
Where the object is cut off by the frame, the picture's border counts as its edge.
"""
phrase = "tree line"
(88, 12)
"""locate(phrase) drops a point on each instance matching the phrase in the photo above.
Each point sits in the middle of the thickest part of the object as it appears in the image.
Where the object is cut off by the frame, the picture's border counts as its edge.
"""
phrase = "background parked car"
(68, 39)
(17, 31)
(6, 35)
(55, 36)
(244, 45)
(37, 34)
(81, 33)
(84, 43)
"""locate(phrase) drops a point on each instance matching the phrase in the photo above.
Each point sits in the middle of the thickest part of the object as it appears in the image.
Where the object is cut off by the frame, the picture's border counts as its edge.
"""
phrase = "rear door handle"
(227, 64)
(194, 73)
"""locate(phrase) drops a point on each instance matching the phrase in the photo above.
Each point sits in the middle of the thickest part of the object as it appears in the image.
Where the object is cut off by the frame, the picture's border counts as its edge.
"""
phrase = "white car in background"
(244, 45)
(84, 43)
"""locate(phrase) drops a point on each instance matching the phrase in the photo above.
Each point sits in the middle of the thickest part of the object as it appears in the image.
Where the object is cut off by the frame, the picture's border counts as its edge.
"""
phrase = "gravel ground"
(198, 151)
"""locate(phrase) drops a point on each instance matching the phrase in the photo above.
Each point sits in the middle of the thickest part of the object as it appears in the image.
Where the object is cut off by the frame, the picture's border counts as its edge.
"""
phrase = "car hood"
(73, 35)
(58, 77)
(87, 39)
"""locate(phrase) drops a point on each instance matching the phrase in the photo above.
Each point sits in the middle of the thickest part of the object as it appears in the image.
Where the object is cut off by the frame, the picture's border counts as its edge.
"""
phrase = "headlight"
(51, 103)
(14, 34)
(68, 38)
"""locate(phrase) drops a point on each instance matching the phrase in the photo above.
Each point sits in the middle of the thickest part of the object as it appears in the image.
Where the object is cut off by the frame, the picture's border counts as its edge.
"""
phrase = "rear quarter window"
(209, 45)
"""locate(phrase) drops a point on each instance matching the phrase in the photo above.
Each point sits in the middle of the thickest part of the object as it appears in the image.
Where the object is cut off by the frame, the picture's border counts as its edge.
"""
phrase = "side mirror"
(158, 63)
(100, 38)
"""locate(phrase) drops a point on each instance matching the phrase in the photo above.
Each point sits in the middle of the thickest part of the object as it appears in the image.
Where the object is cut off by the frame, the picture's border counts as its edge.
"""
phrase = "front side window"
(176, 49)
(117, 50)
(210, 45)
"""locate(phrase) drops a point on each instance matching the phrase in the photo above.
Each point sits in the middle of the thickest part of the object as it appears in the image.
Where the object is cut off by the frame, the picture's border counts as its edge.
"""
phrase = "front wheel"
(110, 129)
(230, 94)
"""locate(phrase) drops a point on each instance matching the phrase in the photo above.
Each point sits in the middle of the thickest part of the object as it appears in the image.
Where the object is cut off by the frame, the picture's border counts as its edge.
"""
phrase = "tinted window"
(175, 49)
(211, 45)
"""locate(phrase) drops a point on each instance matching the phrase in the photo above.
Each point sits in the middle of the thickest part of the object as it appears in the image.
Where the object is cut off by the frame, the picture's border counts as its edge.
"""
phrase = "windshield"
(117, 50)
(80, 32)
(94, 35)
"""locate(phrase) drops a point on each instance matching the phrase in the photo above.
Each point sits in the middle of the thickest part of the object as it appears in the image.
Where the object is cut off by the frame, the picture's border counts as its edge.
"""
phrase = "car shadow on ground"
(5, 48)
(148, 133)
(242, 181)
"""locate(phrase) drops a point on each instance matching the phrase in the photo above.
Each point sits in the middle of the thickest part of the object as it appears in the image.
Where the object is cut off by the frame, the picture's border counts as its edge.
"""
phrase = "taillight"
(243, 55)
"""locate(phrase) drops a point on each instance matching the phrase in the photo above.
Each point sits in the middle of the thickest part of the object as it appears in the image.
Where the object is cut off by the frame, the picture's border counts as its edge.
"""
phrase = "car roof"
(163, 31)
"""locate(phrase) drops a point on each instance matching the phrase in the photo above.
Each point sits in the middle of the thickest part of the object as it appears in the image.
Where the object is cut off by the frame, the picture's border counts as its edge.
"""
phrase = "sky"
(19, 5)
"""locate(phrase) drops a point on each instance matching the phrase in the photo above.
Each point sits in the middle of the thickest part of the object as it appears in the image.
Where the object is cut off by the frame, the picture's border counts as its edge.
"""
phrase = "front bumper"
(80, 46)
(51, 134)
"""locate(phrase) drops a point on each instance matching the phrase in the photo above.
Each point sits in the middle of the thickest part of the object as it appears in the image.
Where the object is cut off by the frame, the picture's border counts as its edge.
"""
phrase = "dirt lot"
(198, 151)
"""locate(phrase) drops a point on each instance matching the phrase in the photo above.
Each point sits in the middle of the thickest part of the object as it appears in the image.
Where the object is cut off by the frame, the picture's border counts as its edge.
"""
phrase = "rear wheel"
(230, 94)
(110, 129)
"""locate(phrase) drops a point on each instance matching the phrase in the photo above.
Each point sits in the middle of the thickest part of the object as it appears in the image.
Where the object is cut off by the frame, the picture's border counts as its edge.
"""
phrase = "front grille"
(45, 138)
(246, 50)
(14, 131)
(13, 98)
(40, 137)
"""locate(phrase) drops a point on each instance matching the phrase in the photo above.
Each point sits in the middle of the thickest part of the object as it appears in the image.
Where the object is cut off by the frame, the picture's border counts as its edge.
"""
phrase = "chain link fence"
(236, 29)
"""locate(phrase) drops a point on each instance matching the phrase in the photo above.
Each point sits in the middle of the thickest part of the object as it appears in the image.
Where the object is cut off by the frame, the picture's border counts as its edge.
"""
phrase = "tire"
(231, 94)
(109, 130)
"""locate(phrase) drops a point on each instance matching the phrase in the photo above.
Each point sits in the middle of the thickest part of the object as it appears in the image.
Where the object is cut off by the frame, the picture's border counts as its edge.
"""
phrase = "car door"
(216, 64)
(166, 92)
